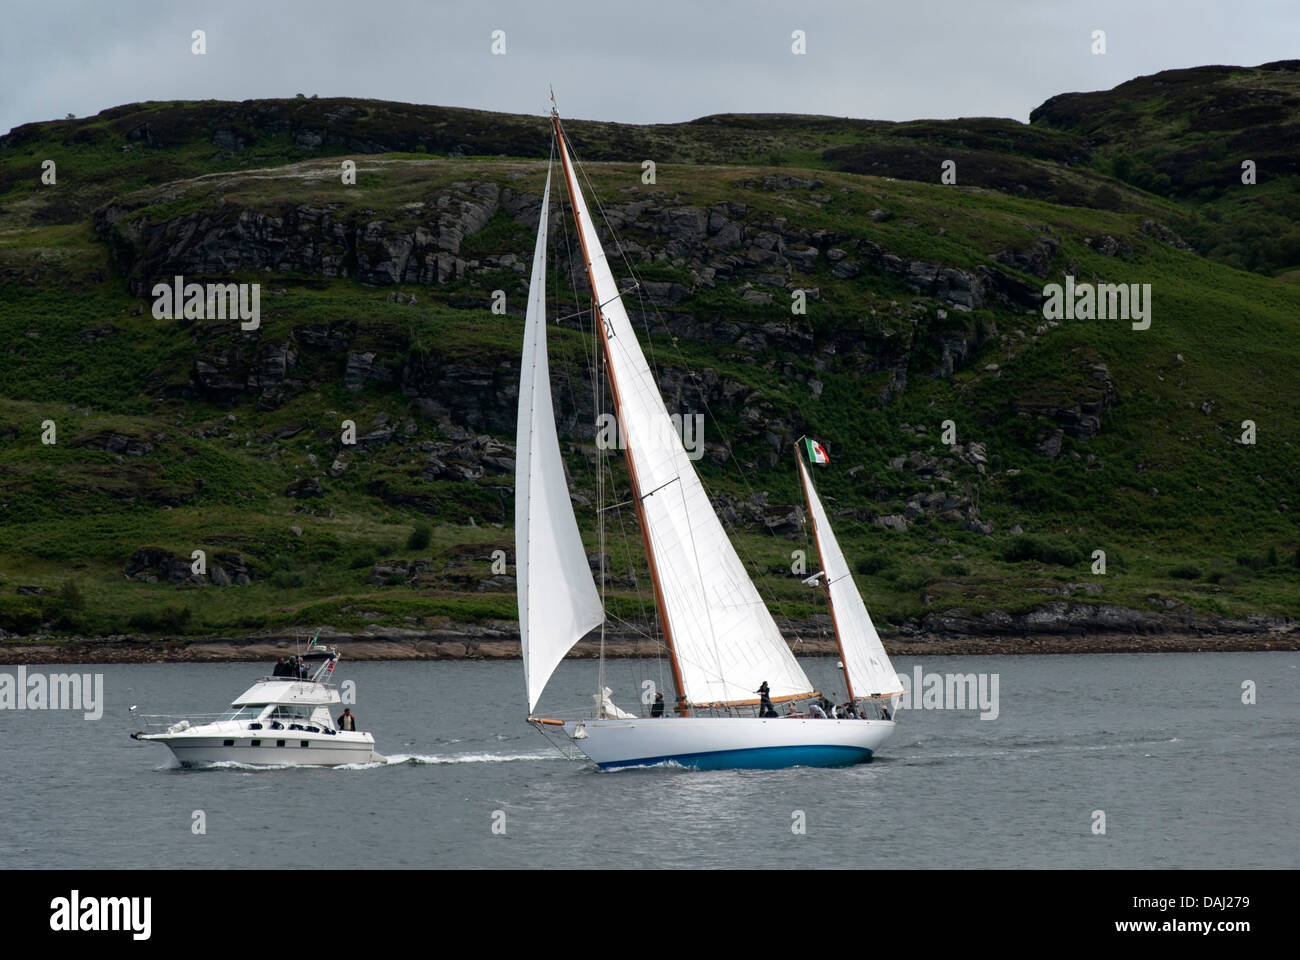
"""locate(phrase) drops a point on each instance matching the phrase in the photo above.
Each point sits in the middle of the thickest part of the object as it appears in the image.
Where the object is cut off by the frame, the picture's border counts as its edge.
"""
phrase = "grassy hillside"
(1071, 436)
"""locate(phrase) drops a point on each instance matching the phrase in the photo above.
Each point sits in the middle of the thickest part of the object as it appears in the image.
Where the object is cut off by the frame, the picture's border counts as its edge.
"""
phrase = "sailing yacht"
(722, 643)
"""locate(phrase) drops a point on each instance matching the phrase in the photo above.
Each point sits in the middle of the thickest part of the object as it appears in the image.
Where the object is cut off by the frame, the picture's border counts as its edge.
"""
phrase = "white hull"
(197, 746)
(723, 743)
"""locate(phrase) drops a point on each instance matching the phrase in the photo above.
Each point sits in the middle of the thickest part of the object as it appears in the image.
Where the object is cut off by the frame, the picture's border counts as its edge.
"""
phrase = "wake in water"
(417, 759)
(932, 752)
(397, 759)
(421, 759)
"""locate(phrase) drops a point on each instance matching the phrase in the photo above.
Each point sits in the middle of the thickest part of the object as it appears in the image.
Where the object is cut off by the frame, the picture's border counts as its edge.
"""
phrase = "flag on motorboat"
(816, 452)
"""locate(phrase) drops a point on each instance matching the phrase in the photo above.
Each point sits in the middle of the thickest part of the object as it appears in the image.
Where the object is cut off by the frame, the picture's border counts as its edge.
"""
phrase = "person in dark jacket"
(765, 708)
(657, 708)
(347, 721)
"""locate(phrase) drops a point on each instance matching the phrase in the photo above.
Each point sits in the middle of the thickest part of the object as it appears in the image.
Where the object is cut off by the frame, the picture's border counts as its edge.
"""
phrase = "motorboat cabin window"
(249, 711)
(291, 712)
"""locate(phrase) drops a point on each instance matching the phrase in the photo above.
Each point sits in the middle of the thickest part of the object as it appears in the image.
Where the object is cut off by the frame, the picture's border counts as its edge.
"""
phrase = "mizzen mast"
(821, 557)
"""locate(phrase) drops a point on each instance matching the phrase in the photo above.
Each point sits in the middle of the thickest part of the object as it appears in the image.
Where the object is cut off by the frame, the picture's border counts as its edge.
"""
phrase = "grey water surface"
(1161, 745)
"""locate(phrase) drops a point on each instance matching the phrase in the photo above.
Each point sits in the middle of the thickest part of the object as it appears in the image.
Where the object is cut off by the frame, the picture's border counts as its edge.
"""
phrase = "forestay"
(725, 640)
(867, 667)
(558, 601)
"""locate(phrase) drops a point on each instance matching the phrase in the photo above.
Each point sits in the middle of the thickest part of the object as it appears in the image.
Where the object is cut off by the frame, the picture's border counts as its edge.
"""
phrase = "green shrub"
(70, 597)
(420, 538)
(1186, 572)
(912, 580)
(22, 614)
(1043, 550)
(873, 564)
(167, 620)
(324, 548)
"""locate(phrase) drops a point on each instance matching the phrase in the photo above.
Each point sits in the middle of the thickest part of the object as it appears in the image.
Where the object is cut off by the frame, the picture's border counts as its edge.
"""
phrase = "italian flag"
(816, 452)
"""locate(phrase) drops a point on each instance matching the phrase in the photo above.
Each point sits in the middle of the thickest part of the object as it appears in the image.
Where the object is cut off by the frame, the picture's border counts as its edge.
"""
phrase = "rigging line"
(600, 558)
(555, 282)
(635, 629)
(618, 245)
(636, 580)
(666, 483)
(640, 596)
(596, 369)
(591, 189)
(554, 743)
(708, 607)
(655, 372)
(569, 316)
(592, 356)
(628, 553)
(748, 557)
(605, 471)
(579, 313)
(653, 362)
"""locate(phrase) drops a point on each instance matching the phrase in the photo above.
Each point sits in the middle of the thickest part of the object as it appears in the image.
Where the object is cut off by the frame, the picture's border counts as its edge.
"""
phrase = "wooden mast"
(830, 604)
(664, 620)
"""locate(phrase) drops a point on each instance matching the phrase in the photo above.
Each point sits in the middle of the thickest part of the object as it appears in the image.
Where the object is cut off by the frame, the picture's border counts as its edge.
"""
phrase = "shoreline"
(413, 645)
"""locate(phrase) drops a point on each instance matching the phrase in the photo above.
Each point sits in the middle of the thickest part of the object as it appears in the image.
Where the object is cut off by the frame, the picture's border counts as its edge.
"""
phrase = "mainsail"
(866, 667)
(558, 602)
(724, 640)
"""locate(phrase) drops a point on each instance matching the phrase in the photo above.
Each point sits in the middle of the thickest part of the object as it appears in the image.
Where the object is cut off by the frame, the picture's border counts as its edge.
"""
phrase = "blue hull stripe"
(757, 758)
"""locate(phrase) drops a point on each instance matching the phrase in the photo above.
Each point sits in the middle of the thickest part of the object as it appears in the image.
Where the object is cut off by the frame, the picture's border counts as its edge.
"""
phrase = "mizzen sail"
(866, 666)
(558, 601)
(724, 640)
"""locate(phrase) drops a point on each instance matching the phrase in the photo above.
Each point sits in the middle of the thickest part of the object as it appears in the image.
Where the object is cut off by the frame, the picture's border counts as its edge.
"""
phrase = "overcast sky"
(639, 62)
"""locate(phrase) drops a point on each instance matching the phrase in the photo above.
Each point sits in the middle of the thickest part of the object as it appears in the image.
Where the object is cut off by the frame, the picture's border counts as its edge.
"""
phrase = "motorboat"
(286, 719)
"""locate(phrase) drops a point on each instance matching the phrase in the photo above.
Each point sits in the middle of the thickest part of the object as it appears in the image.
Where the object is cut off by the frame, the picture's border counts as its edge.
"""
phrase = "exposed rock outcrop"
(156, 565)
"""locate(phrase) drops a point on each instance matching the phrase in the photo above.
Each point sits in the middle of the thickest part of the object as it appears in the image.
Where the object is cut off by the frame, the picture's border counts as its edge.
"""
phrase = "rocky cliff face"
(736, 267)
(726, 247)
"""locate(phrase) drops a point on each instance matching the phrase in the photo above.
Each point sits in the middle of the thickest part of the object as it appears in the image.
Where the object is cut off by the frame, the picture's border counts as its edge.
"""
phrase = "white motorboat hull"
(275, 748)
(727, 743)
